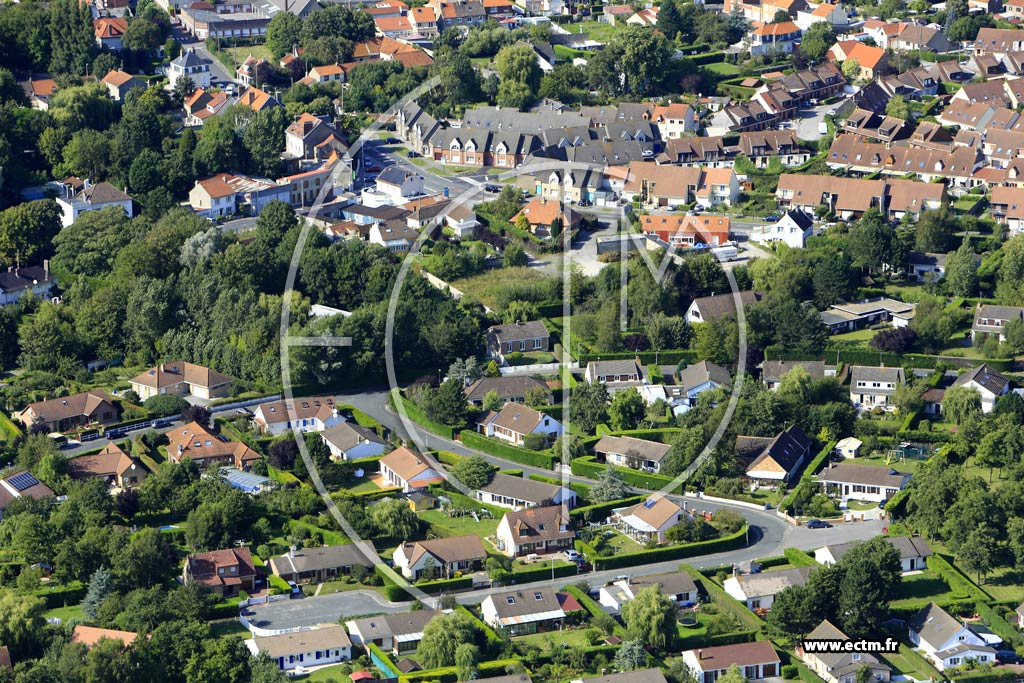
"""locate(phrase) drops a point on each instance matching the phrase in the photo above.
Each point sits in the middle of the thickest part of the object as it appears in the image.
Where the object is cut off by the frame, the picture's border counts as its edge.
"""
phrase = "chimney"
(291, 551)
(46, 269)
(700, 654)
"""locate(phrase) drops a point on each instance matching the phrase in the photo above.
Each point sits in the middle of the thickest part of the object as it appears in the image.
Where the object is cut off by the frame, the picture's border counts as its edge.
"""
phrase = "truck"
(725, 253)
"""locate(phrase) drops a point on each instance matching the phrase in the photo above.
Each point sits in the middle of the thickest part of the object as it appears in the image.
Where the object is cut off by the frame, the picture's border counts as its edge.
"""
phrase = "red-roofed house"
(675, 120)
(207, 448)
(119, 83)
(326, 73)
(777, 38)
(90, 635)
(225, 572)
(873, 60)
(109, 31)
(541, 213)
(213, 197)
(393, 27)
(686, 231)
(202, 104)
(423, 20)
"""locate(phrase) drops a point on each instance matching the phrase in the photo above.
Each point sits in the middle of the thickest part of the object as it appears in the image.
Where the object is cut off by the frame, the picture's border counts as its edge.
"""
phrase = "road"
(320, 609)
(379, 153)
(219, 74)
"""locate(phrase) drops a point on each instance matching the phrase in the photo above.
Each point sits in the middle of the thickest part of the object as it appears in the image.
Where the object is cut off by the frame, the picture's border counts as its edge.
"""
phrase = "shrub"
(165, 404)
(790, 671)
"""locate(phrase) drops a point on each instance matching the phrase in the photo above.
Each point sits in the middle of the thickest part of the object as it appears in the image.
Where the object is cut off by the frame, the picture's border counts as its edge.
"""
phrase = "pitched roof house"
(628, 451)
(225, 572)
(757, 661)
(716, 306)
(91, 197)
(516, 493)
(914, 552)
(317, 565)
(112, 464)
(537, 530)
(678, 586)
(325, 644)
(992, 319)
(874, 386)
(21, 484)
(989, 384)
(615, 374)
(182, 379)
(515, 421)
(862, 482)
(67, 412)
(17, 282)
(119, 83)
(439, 557)
(782, 457)
(946, 641)
(523, 611)
(649, 520)
(306, 414)
(840, 667)
(398, 633)
(520, 336)
(686, 231)
(206, 448)
(90, 635)
(772, 371)
(509, 388)
(350, 441)
(758, 591)
(408, 470)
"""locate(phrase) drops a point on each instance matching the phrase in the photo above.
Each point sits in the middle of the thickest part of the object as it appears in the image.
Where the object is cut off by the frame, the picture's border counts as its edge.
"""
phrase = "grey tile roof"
(507, 387)
(984, 376)
(935, 625)
(704, 371)
(628, 445)
(774, 370)
(533, 329)
(772, 582)
(521, 488)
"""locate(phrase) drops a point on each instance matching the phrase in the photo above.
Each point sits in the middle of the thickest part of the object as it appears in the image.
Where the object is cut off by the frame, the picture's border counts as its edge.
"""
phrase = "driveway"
(321, 609)
(807, 124)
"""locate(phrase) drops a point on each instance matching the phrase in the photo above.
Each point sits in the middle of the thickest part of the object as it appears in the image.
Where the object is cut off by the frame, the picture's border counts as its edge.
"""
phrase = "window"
(511, 600)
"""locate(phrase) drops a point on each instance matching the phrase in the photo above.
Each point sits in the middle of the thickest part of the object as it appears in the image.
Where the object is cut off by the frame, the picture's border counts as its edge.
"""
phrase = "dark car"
(585, 203)
(492, 188)
(413, 154)
(1007, 657)
(772, 218)
(392, 141)
(374, 168)
(818, 524)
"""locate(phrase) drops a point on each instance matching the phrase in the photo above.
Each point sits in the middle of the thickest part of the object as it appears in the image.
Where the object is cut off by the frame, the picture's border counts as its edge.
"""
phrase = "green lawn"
(912, 664)
(919, 588)
(486, 287)
(226, 629)
(346, 586)
(620, 543)
(879, 460)
(328, 673)
(65, 613)
(862, 336)
(364, 485)
(545, 641)
(1003, 584)
(723, 68)
(444, 525)
(241, 53)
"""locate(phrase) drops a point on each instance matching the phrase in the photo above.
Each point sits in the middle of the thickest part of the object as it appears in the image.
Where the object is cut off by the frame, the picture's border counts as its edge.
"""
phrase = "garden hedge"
(63, 596)
(418, 416)
(541, 573)
(591, 605)
(396, 593)
(677, 552)
(645, 357)
(588, 466)
(449, 674)
(807, 478)
(959, 584)
(601, 510)
(382, 660)
(695, 641)
(542, 459)
(718, 596)
(863, 356)
(799, 558)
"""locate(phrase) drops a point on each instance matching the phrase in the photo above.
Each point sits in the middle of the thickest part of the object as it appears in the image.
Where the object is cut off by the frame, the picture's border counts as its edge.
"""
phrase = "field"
(862, 336)
(598, 30)
(916, 589)
(723, 68)
(486, 287)
(547, 640)
(226, 629)
(912, 664)
(458, 526)
(909, 465)
(241, 53)
(1003, 584)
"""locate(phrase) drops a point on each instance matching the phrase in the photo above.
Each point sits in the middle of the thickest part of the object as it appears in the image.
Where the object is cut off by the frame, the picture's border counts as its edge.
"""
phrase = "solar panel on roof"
(22, 481)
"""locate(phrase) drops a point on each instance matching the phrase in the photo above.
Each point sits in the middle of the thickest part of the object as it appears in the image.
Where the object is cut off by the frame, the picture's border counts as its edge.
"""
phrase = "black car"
(413, 154)
(392, 141)
(492, 188)
(1007, 657)
(585, 203)
(818, 524)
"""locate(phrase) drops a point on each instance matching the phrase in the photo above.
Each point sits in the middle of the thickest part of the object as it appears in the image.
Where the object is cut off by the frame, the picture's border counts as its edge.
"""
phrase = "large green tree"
(442, 637)
(71, 37)
(650, 617)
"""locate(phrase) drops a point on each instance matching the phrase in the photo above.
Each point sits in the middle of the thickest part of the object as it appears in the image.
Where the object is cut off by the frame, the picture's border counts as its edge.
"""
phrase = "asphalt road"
(378, 153)
(320, 609)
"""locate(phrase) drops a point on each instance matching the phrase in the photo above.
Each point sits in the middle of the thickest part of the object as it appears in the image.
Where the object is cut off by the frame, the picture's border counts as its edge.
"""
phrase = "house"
(675, 119)
(617, 13)
(848, 481)
(679, 588)
(519, 612)
(307, 647)
(224, 572)
(538, 530)
(716, 306)
(761, 147)
(462, 221)
(914, 552)
(782, 457)
(686, 231)
(514, 421)
(649, 520)
(757, 661)
(851, 316)
(191, 65)
(844, 197)
(758, 591)
(440, 557)
(774, 39)
(91, 197)
(508, 388)
(833, 14)
(21, 484)
(773, 371)
(873, 60)
(872, 387)
(318, 565)
(398, 183)
(946, 641)
(202, 104)
(639, 676)
(792, 229)
(517, 493)
(424, 20)
(399, 634)
(628, 451)
(992, 319)
(700, 377)
(395, 236)
(615, 374)
(840, 667)
(17, 282)
(109, 32)
(989, 384)
(90, 635)
(1006, 204)
(547, 218)
(213, 197)
(868, 124)
(849, 447)
(40, 91)
(181, 379)
(918, 37)
(307, 414)
(408, 470)
(312, 138)
(517, 337)
(68, 412)
(119, 83)
(206, 448)
(349, 441)
(111, 464)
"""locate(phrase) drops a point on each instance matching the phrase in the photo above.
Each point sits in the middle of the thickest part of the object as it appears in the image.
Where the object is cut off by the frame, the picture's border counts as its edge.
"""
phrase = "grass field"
(862, 336)
(458, 526)
(912, 664)
(226, 629)
(241, 53)
(598, 30)
(723, 68)
(909, 465)
(1003, 584)
(917, 588)
(485, 287)
(546, 641)
(65, 613)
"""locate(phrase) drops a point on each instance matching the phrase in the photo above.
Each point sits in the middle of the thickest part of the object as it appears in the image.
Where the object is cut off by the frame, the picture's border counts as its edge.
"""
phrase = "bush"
(677, 552)
(535, 442)
(470, 439)
(790, 671)
(165, 404)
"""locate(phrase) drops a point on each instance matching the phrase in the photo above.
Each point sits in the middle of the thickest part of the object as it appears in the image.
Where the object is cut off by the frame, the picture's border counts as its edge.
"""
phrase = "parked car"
(392, 141)
(1008, 657)
(374, 168)
(413, 154)
(818, 524)
(585, 203)
(773, 218)
(573, 556)
(296, 590)
(492, 188)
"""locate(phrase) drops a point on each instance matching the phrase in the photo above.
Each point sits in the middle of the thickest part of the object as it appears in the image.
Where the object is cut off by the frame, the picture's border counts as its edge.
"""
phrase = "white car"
(573, 556)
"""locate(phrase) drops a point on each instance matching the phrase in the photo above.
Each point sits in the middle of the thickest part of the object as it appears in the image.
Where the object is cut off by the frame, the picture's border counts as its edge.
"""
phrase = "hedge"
(995, 621)
(601, 510)
(63, 596)
(541, 478)
(991, 676)
(448, 458)
(227, 609)
(589, 467)
(542, 459)
(418, 416)
(677, 552)
(396, 593)
(799, 558)
(541, 573)
(645, 357)
(449, 674)
(589, 604)
(896, 507)
(926, 437)
(494, 641)
(725, 601)
(806, 478)
(695, 641)
(8, 429)
(859, 356)
(379, 657)
(280, 584)
(959, 584)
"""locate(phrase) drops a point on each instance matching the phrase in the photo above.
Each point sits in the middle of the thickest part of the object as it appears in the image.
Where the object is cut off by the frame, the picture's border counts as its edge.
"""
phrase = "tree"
(520, 75)
(283, 34)
(977, 554)
(962, 271)
(26, 229)
(670, 21)
(733, 675)
(21, 622)
(932, 323)
(645, 58)
(587, 406)
(575, 448)
(898, 108)
(851, 69)
(609, 487)
(394, 518)
(626, 409)
(816, 41)
(895, 340)
(515, 255)
(474, 472)
(871, 241)
(961, 403)
(449, 403)
(100, 586)
(442, 637)
(871, 575)
(793, 612)
(466, 657)
(935, 230)
(163, 405)
(185, 86)
(71, 37)
(650, 618)
(631, 656)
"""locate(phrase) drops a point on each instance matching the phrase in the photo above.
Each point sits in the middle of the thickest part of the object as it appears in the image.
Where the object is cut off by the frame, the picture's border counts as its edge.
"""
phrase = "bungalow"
(21, 484)
(991, 319)
(518, 337)
(649, 520)
(700, 377)
(716, 306)
(408, 470)
(440, 557)
(845, 317)
(758, 591)
(119, 83)
(68, 412)
(781, 458)
(305, 648)
(508, 388)
(874, 386)
(848, 481)
(914, 552)
(349, 441)
(397, 633)
(538, 530)
(757, 661)
(112, 464)
(989, 384)
(517, 493)
(615, 374)
(224, 572)
(90, 635)
(792, 229)
(181, 379)
(308, 414)
(849, 447)
(317, 565)
(840, 667)
(773, 371)
(946, 641)
(679, 588)
(206, 448)
(514, 421)
(628, 451)
(523, 611)
(17, 282)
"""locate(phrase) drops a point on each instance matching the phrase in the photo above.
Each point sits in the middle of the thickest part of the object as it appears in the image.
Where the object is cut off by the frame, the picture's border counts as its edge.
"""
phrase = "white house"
(538, 530)
(758, 591)
(349, 441)
(396, 633)
(517, 493)
(307, 414)
(849, 447)
(523, 611)
(778, 459)
(834, 15)
(792, 229)
(987, 382)
(628, 451)
(946, 641)
(757, 661)
(440, 557)
(993, 319)
(77, 199)
(914, 552)
(615, 374)
(305, 648)
(190, 64)
(213, 197)
(874, 386)
(515, 421)
(462, 221)
(409, 471)
(774, 39)
(840, 667)
(399, 183)
(395, 236)
(847, 481)
(695, 379)
(18, 282)
(679, 587)
(649, 520)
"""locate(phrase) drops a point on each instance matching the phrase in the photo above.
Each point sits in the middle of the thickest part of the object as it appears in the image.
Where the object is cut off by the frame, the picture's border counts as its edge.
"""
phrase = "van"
(822, 128)
(724, 253)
